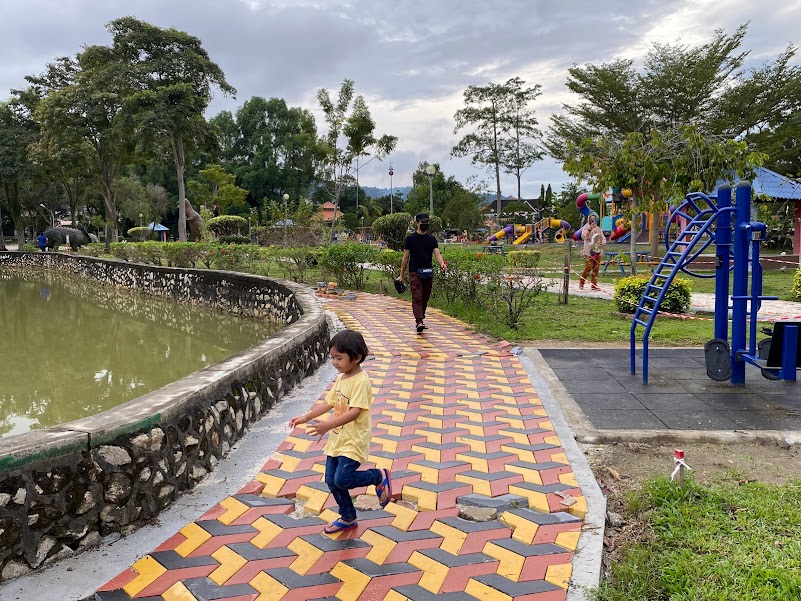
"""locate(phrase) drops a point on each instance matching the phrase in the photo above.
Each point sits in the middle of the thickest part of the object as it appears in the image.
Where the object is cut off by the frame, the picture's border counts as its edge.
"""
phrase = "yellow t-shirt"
(353, 439)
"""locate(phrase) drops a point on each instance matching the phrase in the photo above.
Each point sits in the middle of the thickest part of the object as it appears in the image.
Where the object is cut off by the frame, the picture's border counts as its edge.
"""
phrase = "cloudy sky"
(411, 59)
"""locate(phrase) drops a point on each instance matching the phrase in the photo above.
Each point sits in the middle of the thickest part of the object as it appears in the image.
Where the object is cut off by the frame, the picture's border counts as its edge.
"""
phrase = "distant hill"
(379, 192)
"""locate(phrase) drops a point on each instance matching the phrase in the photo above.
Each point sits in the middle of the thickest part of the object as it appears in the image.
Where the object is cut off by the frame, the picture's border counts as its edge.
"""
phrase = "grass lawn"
(734, 541)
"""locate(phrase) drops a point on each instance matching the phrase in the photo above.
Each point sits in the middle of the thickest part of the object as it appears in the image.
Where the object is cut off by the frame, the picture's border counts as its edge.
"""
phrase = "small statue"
(194, 220)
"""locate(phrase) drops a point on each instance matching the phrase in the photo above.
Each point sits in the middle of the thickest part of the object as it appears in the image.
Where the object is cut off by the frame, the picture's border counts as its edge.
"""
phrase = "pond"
(72, 347)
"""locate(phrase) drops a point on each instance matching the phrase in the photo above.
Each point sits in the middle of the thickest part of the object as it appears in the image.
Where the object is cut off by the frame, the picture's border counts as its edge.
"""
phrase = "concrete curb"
(587, 560)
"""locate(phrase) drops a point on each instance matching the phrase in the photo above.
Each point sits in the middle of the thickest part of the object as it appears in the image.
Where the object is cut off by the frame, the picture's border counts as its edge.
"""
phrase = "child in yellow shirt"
(349, 440)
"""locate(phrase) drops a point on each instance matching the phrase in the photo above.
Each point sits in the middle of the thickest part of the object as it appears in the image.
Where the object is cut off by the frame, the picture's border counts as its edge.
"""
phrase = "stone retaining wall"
(62, 488)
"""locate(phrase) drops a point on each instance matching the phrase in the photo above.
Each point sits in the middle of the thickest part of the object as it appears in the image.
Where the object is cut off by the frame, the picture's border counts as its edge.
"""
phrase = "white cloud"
(411, 60)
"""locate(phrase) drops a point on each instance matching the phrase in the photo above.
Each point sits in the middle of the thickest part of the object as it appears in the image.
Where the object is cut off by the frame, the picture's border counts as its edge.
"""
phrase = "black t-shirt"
(421, 249)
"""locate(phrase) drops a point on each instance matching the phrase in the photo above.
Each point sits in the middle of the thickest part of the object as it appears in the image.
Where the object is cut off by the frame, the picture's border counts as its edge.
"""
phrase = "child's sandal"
(339, 526)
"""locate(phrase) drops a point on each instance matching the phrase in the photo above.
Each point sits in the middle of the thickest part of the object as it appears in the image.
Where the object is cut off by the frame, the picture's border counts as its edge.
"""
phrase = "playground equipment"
(524, 233)
(584, 209)
(709, 221)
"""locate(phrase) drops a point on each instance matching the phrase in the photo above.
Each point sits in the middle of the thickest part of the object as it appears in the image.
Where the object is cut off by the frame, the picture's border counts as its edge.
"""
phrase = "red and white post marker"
(680, 466)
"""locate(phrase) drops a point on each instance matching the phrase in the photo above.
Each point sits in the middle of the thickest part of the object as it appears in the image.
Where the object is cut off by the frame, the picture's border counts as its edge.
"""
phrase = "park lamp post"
(391, 190)
(52, 215)
(431, 170)
(286, 200)
(141, 220)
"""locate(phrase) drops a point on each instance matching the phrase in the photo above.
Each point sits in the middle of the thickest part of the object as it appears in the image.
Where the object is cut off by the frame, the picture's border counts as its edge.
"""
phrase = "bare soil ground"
(622, 468)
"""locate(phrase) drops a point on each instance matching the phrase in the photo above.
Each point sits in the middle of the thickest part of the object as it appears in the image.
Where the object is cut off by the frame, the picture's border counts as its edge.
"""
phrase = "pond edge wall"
(63, 488)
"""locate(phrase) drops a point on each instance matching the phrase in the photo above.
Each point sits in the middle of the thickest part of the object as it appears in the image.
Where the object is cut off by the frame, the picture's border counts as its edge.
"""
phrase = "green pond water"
(72, 347)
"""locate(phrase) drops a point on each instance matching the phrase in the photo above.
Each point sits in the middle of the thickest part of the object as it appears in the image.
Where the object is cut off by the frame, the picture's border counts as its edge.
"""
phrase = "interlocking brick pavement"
(454, 414)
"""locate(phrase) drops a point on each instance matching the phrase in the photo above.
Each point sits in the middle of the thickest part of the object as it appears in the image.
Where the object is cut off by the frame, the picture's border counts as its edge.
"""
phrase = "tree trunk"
(180, 167)
(111, 208)
(654, 234)
(634, 233)
(2, 236)
(519, 177)
(498, 189)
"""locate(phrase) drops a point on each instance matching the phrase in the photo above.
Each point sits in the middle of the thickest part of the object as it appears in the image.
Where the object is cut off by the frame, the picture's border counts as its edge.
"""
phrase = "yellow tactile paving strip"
(454, 415)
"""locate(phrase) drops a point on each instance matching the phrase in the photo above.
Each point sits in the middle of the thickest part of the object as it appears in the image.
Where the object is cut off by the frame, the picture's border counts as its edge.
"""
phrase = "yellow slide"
(522, 239)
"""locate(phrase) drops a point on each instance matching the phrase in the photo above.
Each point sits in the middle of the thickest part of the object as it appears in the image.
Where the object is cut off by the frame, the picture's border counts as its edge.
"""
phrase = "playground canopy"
(778, 187)
(775, 185)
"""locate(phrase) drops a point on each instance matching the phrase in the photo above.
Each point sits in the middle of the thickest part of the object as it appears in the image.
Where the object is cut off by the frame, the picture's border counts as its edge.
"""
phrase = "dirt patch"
(622, 468)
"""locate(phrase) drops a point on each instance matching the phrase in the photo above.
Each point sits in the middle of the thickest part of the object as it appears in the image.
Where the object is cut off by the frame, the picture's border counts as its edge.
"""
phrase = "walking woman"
(594, 241)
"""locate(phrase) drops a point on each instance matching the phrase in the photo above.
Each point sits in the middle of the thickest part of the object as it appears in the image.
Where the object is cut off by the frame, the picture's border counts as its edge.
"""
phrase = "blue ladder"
(701, 212)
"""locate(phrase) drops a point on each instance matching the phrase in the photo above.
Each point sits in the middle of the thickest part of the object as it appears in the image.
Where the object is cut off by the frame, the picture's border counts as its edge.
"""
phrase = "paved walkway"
(457, 420)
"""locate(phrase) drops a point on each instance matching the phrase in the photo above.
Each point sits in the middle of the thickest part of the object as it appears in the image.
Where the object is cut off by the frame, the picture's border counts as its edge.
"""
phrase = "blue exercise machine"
(709, 221)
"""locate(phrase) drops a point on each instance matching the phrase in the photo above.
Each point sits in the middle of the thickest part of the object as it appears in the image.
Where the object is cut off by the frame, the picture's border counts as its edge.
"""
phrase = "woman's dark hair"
(351, 343)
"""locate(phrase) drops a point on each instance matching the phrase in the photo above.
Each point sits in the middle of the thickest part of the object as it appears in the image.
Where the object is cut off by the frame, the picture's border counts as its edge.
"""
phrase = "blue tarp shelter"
(157, 227)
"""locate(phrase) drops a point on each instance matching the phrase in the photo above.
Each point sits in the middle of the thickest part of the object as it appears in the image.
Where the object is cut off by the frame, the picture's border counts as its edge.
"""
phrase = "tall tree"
(17, 131)
(645, 123)
(350, 135)
(86, 102)
(172, 78)
(500, 123)
(520, 148)
(64, 155)
(273, 149)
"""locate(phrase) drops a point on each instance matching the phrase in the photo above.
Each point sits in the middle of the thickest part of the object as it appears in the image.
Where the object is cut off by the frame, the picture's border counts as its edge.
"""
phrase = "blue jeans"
(341, 475)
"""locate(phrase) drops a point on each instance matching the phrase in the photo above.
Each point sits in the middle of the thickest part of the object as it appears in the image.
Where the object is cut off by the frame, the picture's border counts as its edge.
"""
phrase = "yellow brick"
(269, 588)
(427, 474)
(529, 475)
(230, 563)
(267, 532)
(426, 499)
(482, 487)
(559, 574)
(178, 592)
(434, 573)
(568, 479)
(523, 530)
(195, 536)
(453, 537)
(353, 582)
(272, 484)
(560, 458)
(536, 500)
(568, 540)
(579, 508)
(511, 563)
(149, 571)
(308, 555)
(404, 517)
(479, 463)
(382, 546)
(484, 592)
(233, 509)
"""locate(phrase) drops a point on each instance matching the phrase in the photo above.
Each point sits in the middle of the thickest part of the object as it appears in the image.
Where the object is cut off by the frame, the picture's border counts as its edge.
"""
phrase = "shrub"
(524, 259)
(466, 270)
(796, 290)
(226, 225)
(235, 240)
(93, 249)
(151, 253)
(183, 254)
(389, 262)
(345, 263)
(508, 294)
(120, 251)
(629, 291)
(229, 257)
(294, 262)
(139, 234)
(392, 228)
